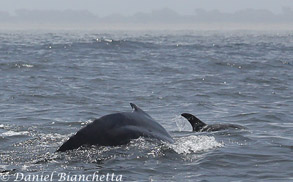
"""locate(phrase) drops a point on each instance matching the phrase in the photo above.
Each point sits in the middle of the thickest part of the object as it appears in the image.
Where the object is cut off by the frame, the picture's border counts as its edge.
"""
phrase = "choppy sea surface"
(54, 83)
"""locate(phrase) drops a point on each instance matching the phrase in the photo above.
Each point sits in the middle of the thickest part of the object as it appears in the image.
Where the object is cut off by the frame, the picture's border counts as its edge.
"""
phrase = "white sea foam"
(14, 133)
(108, 40)
(104, 40)
(27, 65)
(193, 144)
(24, 65)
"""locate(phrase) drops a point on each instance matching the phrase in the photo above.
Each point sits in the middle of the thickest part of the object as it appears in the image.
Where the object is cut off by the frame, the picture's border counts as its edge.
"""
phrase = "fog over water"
(129, 7)
(129, 14)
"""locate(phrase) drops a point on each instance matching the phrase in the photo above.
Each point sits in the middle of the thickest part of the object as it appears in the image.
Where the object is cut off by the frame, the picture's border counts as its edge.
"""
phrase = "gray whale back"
(118, 129)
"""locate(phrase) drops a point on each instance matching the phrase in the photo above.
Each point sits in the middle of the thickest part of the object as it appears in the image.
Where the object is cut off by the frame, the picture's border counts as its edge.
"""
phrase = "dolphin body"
(199, 126)
(117, 129)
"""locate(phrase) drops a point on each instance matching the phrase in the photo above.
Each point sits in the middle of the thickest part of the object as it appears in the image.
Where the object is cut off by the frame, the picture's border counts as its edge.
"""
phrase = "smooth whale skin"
(117, 129)
(199, 126)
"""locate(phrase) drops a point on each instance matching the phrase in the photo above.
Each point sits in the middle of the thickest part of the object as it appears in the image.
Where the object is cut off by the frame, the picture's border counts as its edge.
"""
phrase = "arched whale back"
(118, 129)
(199, 126)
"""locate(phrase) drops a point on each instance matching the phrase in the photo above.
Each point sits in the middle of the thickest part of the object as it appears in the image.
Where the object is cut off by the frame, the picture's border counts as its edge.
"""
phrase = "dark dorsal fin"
(134, 107)
(196, 123)
(137, 109)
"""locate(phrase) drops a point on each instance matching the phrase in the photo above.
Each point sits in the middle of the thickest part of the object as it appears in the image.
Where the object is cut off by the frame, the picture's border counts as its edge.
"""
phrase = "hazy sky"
(129, 7)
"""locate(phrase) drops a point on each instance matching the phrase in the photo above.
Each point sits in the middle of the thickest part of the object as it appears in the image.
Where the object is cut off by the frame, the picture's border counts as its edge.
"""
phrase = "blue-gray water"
(52, 84)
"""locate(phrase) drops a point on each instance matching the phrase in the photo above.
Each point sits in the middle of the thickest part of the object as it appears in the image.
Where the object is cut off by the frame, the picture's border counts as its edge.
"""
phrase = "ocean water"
(54, 83)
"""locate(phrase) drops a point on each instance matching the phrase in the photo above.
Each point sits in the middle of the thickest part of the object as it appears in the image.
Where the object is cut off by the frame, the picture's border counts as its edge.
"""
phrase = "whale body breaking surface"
(118, 129)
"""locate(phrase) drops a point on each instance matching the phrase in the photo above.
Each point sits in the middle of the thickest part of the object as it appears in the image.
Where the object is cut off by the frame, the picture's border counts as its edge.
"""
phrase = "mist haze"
(130, 14)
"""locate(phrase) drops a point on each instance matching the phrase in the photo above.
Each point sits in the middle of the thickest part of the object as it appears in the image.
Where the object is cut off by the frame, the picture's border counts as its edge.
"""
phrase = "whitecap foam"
(27, 65)
(24, 65)
(104, 40)
(108, 40)
(86, 122)
(14, 133)
(193, 144)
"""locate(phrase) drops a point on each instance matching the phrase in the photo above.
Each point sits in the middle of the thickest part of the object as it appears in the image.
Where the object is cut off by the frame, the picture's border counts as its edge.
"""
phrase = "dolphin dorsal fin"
(196, 123)
(135, 108)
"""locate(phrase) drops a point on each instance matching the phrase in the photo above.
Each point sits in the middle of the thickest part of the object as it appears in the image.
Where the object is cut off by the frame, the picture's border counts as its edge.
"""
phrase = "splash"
(194, 144)
(13, 133)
